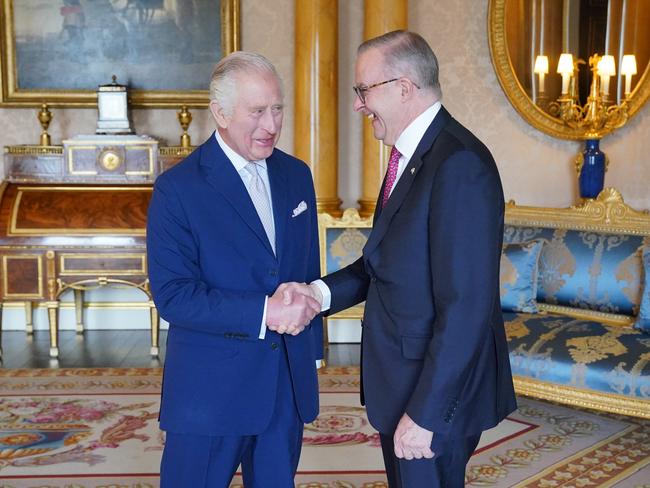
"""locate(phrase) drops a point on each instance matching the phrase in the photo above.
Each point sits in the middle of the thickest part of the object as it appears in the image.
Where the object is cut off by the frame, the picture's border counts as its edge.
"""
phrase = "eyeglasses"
(361, 90)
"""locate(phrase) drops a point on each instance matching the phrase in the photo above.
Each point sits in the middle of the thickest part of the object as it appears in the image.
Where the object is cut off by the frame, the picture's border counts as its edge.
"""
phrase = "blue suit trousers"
(445, 470)
(268, 460)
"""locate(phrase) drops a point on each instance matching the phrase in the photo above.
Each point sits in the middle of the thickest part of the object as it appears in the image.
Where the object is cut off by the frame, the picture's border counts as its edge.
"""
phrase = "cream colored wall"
(536, 169)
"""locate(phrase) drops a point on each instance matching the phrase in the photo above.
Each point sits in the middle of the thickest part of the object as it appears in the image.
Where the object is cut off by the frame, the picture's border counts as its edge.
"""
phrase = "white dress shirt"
(406, 144)
(240, 165)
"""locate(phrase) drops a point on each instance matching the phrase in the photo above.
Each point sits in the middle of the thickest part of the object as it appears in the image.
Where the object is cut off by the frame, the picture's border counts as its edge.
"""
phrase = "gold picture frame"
(123, 32)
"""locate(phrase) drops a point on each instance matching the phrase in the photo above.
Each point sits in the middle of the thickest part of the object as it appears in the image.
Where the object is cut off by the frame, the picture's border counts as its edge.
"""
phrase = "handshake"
(292, 307)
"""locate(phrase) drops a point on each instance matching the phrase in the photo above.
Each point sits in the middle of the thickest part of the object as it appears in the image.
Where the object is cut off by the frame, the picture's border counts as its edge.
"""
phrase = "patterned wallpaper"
(536, 169)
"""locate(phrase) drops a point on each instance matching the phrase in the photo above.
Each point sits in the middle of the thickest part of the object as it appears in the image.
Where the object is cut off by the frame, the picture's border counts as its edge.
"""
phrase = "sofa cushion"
(585, 269)
(643, 319)
(518, 277)
(579, 353)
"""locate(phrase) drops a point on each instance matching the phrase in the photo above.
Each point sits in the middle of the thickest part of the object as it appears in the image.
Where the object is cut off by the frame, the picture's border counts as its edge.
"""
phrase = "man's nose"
(358, 104)
(269, 123)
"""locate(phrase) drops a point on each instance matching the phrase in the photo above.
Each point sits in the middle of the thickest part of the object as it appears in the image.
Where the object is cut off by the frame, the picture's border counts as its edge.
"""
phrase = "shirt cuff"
(327, 294)
(263, 327)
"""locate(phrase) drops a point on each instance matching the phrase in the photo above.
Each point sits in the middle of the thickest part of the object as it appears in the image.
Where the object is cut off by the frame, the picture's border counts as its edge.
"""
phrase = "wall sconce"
(565, 68)
(628, 68)
(541, 69)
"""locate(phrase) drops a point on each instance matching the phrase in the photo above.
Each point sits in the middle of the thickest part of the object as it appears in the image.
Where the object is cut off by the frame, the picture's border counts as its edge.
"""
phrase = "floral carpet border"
(610, 461)
(80, 381)
(59, 372)
(77, 372)
(603, 464)
(95, 381)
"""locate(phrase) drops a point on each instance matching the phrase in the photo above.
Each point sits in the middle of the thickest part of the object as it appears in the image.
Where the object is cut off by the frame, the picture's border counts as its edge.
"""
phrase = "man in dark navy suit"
(226, 226)
(435, 369)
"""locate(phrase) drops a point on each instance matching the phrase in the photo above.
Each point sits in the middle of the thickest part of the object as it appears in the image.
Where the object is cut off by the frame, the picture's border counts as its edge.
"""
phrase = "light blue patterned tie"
(260, 198)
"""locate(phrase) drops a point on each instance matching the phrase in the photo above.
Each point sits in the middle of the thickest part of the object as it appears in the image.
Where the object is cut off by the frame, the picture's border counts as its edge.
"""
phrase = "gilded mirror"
(528, 39)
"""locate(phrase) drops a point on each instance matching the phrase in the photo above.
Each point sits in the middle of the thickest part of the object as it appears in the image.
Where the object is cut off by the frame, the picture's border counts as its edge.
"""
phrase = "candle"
(628, 68)
(566, 77)
(606, 68)
(565, 68)
(541, 68)
(604, 84)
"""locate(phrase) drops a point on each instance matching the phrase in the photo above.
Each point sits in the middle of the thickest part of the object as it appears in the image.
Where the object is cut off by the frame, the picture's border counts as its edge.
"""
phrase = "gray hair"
(223, 82)
(407, 54)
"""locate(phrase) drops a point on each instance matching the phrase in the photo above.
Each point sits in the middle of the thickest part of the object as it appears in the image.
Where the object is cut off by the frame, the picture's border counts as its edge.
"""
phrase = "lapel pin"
(412, 171)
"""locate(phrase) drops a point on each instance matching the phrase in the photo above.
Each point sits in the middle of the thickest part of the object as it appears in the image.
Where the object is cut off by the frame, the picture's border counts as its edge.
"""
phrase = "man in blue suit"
(226, 226)
(435, 369)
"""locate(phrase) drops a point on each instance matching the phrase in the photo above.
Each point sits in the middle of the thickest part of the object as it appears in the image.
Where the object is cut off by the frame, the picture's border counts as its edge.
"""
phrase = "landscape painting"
(163, 50)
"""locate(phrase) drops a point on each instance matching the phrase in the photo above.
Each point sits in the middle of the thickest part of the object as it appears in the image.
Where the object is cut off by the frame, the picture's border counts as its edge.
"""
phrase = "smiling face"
(253, 128)
(384, 103)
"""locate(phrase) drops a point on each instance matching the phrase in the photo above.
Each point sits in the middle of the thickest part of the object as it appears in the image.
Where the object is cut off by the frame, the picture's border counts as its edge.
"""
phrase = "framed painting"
(58, 51)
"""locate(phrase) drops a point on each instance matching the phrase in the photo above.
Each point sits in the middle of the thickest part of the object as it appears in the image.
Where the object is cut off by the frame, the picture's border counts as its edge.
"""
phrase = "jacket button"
(274, 346)
(373, 279)
(273, 272)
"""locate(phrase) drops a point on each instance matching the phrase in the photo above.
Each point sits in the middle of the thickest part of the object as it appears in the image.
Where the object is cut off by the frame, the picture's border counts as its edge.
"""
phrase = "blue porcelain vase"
(592, 174)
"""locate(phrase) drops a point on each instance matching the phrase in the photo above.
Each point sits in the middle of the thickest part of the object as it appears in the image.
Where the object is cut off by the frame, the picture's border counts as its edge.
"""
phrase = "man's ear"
(406, 88)
(218, 114)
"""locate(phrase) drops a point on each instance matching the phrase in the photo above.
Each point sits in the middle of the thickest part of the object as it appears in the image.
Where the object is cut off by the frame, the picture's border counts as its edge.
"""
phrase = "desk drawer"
(22, 276)
(93, 264)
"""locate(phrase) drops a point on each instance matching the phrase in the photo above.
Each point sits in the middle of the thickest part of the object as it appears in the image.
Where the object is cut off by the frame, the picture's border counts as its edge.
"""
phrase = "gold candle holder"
(598, 116)
(45, 117)
(185, 119)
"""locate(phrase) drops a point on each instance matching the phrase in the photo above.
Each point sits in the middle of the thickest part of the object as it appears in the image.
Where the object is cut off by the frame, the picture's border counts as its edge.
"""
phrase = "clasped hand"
(292, 307)
(412, 441)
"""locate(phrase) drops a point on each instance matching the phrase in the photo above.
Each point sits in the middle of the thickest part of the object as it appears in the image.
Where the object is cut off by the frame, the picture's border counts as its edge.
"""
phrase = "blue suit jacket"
(211, 267)
(433, 341)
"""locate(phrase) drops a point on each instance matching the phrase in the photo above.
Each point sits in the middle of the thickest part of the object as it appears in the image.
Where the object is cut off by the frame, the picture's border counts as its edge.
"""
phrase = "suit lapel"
(222, 175)
(384, 216)
(279, 195)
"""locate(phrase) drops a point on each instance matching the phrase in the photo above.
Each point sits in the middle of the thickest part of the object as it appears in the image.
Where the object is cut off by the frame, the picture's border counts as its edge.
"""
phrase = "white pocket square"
(302, 206)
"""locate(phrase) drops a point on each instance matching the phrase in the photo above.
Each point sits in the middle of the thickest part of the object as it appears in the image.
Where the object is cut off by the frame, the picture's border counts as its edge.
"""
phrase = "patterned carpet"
(83, 428)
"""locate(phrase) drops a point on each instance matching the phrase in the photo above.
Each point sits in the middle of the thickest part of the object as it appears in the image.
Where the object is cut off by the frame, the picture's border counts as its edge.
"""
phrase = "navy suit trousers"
(268, 460)
(445, 470)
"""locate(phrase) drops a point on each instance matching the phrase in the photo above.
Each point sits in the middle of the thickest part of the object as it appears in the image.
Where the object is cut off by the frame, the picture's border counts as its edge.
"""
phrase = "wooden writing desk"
(74, 217)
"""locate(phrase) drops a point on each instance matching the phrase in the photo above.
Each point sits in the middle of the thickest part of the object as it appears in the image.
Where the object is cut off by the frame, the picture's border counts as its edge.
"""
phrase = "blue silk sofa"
(574, 290)
(583, 337)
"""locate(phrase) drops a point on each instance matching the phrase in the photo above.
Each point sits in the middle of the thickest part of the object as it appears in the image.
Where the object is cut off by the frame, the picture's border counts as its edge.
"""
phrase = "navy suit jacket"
(433, 341)
(211, 267)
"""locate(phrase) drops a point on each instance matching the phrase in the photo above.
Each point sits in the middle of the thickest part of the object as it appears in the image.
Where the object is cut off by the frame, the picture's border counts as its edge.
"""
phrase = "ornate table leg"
(52, 315)
(155, 329)
(79, 310)
(52, 304)
(29, 324)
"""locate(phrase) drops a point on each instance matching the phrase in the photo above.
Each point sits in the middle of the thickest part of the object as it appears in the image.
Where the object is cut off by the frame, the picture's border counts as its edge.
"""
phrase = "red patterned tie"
(391, 174)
